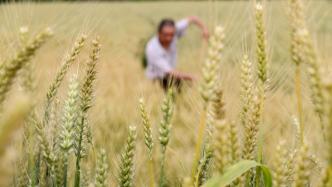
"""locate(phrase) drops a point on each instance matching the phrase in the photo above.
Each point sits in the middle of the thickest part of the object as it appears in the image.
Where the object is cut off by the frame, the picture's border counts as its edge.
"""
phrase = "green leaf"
(266, 176)
(236, 170)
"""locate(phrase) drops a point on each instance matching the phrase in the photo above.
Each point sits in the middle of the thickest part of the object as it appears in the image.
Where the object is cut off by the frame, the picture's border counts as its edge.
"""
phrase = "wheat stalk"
(127, 160)
(148, 140)
(102, 169)
(326, 177)
(234, 143)
(297, 22)
(147, 127)
(302, 167)
(204, 166)
(22, 176)
(261, 44)
(85, 181)
(210, 76)
(212, 64)
(246, 89)
(81, 133)
(280, 165)
(251, 132)
(9, 69)
(329, 136)
(221, 151)
(59, 169)
(251, 109)
(42, 176)
(303, 52)
(70, 116)
(221, 156)
(69, 122)
(164, 132)
(314, 77)
(53, 88)
(27, 78)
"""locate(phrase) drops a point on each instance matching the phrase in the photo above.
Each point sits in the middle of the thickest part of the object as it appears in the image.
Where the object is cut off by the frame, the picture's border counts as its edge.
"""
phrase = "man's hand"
(188, 77)
(205, 34)
(181, 75)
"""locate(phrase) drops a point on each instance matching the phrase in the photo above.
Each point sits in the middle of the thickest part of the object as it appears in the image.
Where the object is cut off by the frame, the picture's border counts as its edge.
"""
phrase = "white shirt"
(160, 61)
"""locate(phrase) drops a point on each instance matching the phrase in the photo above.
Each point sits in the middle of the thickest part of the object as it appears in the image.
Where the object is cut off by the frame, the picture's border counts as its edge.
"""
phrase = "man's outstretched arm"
(196, 21)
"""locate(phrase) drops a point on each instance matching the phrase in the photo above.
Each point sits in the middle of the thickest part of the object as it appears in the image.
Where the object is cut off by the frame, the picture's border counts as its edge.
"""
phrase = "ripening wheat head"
(127, 160)
(102, 169)
(212, 64)
(9, 69)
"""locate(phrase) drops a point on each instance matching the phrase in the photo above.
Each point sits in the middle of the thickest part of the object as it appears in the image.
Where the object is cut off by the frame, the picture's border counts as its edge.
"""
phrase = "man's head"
(166, 32)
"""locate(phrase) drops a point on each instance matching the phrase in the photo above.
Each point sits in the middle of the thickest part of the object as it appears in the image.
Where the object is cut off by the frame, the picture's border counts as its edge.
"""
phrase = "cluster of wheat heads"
(9, 70)
(58, 139)
(224, 157)
(53, 139)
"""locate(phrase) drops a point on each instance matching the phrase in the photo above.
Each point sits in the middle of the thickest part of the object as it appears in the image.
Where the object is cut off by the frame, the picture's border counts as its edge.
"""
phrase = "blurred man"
(161, 52)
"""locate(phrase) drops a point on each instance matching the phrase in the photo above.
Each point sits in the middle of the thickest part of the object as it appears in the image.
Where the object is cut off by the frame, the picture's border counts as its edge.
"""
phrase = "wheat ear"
(53, 88)
(247, 80)
(102, 169)
(81, 133)
(302, 167)
(210, 76)
(9, 69)
(164, 133)
(303, 52)
(326, 179)
(69, 122)
(280, 175)
(27, 78)
(148, 140)
(127, 160)
(261, 44)
(204, 166)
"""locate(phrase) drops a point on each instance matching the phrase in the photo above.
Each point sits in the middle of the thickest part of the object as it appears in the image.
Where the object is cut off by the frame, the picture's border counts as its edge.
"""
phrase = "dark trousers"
(171, 82)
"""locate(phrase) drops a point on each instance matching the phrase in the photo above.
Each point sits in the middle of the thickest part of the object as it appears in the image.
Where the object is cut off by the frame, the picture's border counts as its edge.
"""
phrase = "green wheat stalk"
(148, 140)
(53, 88)
(69, 122)
(102, 170)
(164, 133)
(211, 72)
(127, 160)
(86, 96)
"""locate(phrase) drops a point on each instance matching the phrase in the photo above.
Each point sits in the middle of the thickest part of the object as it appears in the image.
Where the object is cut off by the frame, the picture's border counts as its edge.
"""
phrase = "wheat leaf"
(236, 170)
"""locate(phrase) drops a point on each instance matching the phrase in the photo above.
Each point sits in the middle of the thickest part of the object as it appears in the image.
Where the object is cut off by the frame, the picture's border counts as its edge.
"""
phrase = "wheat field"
(120, 85)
